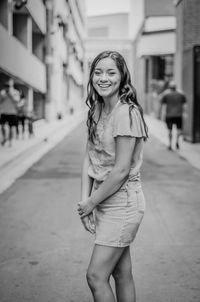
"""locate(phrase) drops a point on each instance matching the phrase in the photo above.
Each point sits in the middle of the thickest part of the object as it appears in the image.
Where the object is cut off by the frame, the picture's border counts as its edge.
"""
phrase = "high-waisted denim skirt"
(118, 217)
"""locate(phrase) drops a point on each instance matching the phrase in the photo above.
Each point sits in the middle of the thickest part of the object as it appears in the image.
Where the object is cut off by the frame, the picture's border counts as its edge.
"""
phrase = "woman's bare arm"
(124, 150)
(86, 180)
(86, 188)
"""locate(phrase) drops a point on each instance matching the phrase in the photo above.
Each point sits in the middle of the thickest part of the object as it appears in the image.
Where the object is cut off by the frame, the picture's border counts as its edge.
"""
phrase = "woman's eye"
(111, 73)
(97, 73)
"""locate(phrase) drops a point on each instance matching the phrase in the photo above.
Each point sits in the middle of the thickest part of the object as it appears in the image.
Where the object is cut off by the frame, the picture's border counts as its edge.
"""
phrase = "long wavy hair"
(127, 93)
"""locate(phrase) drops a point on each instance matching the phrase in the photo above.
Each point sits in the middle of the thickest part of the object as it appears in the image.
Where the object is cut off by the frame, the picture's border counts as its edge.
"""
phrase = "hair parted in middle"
(127, 93)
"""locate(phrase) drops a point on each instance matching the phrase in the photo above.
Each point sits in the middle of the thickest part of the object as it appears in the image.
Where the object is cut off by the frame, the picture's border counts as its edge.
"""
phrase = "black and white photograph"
(99, 150)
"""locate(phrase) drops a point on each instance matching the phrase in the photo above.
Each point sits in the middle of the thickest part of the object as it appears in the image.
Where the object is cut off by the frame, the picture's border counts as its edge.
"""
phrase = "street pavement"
(44, 250)
(16, 160)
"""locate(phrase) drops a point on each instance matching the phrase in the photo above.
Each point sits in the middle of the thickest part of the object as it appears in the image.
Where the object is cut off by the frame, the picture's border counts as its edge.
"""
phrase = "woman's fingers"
(86, 225)
(92, 222)
(91, 218)
(80, 212)
(83, 215)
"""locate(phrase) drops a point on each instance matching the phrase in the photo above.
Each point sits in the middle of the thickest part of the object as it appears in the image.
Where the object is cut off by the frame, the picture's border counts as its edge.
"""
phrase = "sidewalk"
(188, 151)
(15, 160)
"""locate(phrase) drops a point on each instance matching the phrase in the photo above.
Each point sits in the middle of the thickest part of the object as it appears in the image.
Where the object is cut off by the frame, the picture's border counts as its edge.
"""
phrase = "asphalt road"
(44, 250)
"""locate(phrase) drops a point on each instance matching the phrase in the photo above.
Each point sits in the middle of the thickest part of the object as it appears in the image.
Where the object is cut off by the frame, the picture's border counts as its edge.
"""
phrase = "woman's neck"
(109, 104)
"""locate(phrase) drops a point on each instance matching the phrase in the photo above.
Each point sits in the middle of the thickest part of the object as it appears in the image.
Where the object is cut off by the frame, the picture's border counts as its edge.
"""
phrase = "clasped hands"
(85, 209)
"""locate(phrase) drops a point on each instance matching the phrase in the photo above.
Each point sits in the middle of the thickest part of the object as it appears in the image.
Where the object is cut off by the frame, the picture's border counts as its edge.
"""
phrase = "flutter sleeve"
(123, 126)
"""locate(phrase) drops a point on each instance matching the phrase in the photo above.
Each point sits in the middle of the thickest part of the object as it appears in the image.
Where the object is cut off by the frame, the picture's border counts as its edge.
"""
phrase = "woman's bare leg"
(122, 274)
(102, 263)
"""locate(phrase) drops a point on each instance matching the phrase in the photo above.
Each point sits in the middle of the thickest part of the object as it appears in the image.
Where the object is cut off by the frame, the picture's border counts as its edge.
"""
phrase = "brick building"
(152, 29)
(187, 66)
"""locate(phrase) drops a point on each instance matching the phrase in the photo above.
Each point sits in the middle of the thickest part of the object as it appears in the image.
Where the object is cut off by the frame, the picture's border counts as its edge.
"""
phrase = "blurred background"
(47, 47)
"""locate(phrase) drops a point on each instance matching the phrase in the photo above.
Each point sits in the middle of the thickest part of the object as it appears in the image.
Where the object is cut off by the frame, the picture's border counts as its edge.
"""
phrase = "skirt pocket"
(134, 215)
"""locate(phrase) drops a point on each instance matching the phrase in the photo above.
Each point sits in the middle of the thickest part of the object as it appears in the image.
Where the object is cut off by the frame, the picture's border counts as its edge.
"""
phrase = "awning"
(155, 44)
(159, 23)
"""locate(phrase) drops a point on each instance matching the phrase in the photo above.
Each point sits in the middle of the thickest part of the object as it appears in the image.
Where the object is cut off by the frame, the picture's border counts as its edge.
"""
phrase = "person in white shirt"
(9, 98)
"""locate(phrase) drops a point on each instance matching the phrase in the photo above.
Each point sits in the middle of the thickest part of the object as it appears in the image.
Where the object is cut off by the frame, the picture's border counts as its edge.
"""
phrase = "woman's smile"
(104, 85)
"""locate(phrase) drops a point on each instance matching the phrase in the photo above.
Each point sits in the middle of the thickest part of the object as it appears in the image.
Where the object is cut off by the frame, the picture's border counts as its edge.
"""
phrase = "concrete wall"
(116, 38)
(114, 26)
(68, 48)
(17, 60)
(136, 17)
(3, 13)
(37, 10)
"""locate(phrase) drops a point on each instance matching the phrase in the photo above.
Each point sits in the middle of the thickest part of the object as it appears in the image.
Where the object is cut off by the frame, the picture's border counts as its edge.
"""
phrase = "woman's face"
(106, 79)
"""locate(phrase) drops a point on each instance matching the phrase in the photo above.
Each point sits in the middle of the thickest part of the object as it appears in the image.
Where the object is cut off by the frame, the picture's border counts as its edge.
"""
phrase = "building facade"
(67, 51)
(22, 40)
(108, 32)
(187, 67)
(152, 29)
(41, 48)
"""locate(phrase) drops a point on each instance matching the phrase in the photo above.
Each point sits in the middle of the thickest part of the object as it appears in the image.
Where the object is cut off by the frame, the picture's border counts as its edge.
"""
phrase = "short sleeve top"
(117, 123)
(174, 101)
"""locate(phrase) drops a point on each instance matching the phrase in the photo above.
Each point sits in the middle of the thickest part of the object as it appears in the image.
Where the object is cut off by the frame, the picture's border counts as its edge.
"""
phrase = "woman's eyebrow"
(106, 69)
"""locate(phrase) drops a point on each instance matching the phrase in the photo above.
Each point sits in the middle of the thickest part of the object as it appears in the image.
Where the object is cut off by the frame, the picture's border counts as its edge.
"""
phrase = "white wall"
(17, 60)
(136, 17)
(117, 25)
(117, 38)
(38, 12)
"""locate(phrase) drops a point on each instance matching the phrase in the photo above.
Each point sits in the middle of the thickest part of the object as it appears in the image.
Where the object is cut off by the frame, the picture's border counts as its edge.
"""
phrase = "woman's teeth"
(104, 86)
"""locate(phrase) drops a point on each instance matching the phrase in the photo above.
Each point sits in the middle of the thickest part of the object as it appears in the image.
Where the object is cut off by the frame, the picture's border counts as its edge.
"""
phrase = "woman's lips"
(104, 85)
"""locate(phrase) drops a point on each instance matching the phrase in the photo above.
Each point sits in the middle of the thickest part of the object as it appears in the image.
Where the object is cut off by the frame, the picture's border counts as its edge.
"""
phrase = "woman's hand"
(85, 207)
(88, 223)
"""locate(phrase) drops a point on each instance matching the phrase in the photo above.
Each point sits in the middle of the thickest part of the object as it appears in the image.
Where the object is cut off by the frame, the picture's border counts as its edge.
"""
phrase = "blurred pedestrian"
(111, 185)
(174, 101)
(21, 109)
(9, 98)
(30, 115)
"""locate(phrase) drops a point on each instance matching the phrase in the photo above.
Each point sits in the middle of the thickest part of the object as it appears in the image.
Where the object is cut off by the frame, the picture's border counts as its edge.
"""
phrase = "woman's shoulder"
(123, 109)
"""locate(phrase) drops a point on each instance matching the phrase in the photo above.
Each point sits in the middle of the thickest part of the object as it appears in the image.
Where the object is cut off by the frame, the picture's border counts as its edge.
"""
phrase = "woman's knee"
(94, 278)
(121, 275)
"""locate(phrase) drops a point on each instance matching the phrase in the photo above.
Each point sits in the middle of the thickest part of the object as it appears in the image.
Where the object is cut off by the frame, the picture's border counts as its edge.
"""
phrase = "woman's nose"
(103, 77)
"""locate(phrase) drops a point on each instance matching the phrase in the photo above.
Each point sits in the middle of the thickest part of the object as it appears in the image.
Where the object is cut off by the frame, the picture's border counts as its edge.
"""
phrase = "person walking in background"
(21, 112)
(111, 184)
(30, 115)
(9, 98)
(174, 101)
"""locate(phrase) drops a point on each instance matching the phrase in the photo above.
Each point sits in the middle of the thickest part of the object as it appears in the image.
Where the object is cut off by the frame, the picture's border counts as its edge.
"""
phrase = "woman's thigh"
(104, 260)
(124, 265)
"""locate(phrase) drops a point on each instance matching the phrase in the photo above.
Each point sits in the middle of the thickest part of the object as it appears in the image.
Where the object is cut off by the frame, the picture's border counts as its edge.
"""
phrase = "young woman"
(111, 187)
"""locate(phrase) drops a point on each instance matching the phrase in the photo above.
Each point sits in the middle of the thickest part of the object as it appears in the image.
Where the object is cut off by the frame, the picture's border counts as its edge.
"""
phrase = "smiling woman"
(112, 202)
